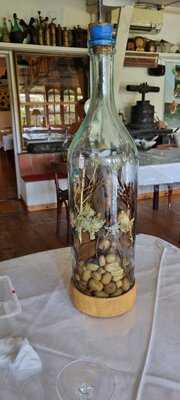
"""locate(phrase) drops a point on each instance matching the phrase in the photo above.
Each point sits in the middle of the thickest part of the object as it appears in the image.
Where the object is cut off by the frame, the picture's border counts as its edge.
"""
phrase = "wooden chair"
(60, 171)
(156, 196)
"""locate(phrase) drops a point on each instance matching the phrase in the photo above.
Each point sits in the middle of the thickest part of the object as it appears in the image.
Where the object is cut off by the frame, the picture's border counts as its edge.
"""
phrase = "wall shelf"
(147, 59)
(32, 48)
(141, 59)
(132, 58)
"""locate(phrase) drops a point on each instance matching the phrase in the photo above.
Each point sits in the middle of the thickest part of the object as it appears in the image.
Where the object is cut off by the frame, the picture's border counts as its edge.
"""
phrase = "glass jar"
(102, 164)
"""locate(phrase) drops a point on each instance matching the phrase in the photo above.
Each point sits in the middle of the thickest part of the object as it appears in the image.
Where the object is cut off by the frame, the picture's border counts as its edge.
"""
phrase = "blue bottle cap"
(101, 35)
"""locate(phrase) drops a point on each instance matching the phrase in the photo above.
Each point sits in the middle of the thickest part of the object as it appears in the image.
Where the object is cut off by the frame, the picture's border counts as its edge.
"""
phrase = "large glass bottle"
(103, 163)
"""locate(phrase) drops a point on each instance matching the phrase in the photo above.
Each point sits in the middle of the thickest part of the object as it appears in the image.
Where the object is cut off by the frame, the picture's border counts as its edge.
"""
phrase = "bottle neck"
(102, 61)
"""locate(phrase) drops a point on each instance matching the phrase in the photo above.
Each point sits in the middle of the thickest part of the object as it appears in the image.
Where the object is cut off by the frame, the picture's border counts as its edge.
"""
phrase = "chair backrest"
(59, 171)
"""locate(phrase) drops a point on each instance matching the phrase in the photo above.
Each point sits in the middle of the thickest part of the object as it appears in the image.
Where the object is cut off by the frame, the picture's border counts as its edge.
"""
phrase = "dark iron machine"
(143, 124)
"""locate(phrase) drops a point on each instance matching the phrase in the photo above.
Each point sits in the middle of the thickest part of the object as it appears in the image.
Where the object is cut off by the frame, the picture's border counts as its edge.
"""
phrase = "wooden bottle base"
(102, 307)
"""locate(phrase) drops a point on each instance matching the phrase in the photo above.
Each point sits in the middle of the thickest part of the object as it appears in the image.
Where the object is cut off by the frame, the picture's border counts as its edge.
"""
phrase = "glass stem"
(86, 391)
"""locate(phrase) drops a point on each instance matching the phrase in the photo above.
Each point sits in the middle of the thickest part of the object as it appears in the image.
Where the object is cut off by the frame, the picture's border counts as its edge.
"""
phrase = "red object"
(37, 167)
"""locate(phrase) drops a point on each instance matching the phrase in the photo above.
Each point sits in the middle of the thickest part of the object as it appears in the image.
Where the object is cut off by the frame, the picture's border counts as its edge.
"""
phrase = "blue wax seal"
(101, 35)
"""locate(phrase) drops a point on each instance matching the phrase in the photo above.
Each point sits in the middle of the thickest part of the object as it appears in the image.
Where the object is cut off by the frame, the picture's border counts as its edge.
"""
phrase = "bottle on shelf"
(78, 36)
(102, 163)
(40, 29)
(26, 31)
(65, 37)
(46, 29)
(52, 30)
(59, 39)
(40, 35)
(5, 37)
(74, 36)
(33, 31)
(84, 37)
(70, 38)
(17, 34)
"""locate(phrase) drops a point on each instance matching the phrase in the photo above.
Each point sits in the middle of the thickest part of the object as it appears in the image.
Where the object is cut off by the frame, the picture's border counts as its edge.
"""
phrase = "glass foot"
(85, 380)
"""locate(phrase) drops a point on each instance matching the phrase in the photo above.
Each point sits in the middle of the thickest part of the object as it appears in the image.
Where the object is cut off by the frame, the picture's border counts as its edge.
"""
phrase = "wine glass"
(85, 380)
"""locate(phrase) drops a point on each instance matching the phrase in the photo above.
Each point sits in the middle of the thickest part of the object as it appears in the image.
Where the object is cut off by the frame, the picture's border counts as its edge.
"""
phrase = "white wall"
(67, 12)
(72, 12)
(132, 75)
(170, 30)
(40, 193)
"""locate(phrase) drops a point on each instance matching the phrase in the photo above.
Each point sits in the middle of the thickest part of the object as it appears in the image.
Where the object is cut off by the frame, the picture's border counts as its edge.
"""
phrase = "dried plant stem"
(91, 180)
(92, 189)
(76, 205)
(127, 196)
(82, 189)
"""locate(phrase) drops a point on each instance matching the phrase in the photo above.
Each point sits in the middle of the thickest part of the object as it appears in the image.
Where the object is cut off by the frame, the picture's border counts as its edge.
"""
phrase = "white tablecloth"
(142, 347)
(159, 174)
(7, 142)
(158, 167)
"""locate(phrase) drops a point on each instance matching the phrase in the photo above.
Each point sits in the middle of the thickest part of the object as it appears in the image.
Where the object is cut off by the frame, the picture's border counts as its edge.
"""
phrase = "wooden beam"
(121, 41)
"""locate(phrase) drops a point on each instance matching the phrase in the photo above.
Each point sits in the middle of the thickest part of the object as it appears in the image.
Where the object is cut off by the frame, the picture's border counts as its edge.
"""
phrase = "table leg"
(170, 191)
(156, 197)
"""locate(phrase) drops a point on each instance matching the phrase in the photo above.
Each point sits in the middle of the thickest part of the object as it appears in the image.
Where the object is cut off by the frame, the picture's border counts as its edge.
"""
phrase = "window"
(70, 97)
(32, 107)
(50, 89)
(61, 106)
(54, 107)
